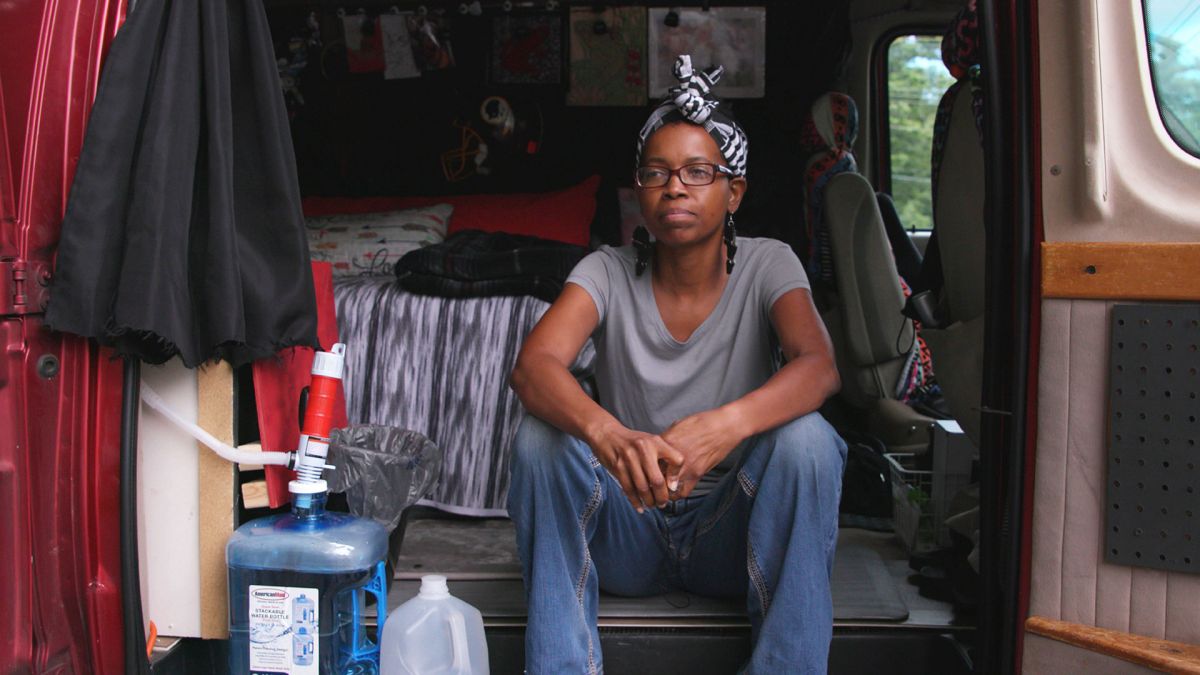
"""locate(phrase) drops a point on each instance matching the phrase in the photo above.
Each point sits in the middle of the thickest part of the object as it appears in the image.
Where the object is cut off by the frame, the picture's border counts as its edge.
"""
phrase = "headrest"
(827, 139)
(960, 44)
(832, 125)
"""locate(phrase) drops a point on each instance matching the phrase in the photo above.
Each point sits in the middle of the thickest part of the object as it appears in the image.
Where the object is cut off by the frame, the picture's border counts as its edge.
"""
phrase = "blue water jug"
(297, 590)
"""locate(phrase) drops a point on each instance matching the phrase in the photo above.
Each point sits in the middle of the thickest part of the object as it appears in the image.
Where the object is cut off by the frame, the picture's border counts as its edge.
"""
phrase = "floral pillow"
(371, 243)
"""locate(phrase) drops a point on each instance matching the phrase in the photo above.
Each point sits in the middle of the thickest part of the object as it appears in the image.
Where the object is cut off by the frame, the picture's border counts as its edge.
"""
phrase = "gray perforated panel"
(1153, 463)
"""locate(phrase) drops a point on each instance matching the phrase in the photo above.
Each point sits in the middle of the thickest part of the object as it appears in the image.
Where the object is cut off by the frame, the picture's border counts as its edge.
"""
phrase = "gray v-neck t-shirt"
(646, 378)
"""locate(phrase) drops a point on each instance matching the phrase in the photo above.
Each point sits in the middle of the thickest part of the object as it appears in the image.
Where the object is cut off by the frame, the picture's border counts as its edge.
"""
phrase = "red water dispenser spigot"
(318, 421)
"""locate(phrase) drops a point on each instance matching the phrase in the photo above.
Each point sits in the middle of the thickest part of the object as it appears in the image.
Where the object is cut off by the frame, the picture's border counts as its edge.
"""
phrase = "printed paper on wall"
(733, 37)
(608, 56)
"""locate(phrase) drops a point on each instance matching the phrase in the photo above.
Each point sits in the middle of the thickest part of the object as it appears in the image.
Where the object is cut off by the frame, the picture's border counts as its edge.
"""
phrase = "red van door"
(59, 395)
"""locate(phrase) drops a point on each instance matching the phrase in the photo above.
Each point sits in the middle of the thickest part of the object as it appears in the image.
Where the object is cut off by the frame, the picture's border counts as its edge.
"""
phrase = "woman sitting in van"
(703, 467)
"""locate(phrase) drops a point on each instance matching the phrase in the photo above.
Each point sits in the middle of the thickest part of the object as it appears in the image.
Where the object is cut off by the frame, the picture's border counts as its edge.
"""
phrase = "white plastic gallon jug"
(435, 633)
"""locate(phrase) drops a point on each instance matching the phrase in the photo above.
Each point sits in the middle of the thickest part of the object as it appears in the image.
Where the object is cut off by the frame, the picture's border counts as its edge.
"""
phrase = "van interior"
(995, 201)
(840, 101)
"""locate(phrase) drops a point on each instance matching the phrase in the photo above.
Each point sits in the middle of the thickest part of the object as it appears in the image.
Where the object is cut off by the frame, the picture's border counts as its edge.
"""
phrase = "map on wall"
(733, 37)
(608, 56)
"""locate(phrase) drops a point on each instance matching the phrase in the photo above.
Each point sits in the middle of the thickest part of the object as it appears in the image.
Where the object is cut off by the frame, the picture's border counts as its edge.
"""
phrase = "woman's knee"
(808, 446)
(538, 446)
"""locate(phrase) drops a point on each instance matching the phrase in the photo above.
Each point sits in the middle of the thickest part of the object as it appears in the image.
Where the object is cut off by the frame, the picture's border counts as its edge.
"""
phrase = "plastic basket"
(912, 508)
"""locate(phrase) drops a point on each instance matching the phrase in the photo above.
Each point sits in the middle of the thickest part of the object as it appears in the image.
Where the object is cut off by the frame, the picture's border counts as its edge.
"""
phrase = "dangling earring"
(643, 247)
(730, 238)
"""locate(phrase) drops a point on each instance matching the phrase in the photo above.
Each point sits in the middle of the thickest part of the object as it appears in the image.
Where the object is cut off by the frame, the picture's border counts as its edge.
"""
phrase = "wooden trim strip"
(214, 414)
(1121, 270)
(1164, 655)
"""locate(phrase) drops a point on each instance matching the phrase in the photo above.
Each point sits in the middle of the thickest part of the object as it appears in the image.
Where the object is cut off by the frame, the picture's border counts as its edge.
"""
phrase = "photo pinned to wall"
(526, 49)
(399, 62)
(607, 57)
(430, 37)
(364, 43)
(733, 37)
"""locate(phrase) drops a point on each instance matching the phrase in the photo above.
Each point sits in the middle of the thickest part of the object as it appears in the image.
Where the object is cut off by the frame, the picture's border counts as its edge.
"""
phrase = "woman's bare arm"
(809, 376)
(542, 377)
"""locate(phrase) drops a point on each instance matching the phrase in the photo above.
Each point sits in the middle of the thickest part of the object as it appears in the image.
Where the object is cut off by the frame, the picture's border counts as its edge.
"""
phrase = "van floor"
(882, 623)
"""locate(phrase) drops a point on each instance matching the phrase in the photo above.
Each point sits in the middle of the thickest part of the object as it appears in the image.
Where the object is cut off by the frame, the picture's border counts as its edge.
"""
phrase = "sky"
(1177, 20)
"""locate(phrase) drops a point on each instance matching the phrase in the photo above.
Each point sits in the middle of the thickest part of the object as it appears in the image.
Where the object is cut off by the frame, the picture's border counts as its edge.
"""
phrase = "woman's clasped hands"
(653, 469)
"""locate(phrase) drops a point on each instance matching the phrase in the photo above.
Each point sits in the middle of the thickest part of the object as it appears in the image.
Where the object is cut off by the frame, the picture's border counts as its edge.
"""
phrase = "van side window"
(916, 80)
(1173, 37)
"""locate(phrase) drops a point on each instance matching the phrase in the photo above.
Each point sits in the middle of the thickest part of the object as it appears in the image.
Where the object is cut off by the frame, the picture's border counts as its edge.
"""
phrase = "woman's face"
(681, 214)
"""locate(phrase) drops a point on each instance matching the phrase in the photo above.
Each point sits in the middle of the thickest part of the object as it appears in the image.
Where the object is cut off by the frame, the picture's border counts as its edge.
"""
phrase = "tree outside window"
(916, 81)
(1173, 33)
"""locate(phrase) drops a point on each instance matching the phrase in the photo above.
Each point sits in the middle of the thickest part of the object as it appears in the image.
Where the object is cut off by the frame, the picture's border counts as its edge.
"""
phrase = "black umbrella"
(183, 232)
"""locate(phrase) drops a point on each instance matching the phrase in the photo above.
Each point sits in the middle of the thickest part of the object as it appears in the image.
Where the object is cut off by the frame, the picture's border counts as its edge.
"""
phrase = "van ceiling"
(861, 9)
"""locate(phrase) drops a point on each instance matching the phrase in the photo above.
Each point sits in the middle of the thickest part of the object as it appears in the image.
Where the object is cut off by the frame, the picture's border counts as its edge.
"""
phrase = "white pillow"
(371, 243)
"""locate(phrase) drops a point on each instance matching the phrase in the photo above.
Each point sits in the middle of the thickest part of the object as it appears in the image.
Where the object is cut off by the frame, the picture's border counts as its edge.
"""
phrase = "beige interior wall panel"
(1050, 465)
(1070, 580)
(1109, 172)
(1086, 461)
(1044, 656)
(1114, 602)
(1109, 169)
(1183, 608)
(168, 500)
(1148, 602)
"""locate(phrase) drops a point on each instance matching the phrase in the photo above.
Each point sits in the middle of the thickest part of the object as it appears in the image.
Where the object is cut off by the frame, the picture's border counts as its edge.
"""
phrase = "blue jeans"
(767, 534)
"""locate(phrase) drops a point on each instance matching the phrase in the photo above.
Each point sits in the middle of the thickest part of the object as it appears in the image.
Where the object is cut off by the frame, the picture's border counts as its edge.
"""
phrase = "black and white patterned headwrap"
(692, 100)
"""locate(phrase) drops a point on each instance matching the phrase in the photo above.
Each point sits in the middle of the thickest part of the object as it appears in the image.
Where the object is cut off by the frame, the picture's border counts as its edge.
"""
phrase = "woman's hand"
(637, 460)
(705, 439)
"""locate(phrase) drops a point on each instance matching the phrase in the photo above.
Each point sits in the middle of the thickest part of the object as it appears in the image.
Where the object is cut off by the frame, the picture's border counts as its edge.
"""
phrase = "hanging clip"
(368, 22)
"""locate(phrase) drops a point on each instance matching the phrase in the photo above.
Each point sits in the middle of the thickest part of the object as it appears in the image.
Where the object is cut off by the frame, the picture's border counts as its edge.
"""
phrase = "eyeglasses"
(695, 175)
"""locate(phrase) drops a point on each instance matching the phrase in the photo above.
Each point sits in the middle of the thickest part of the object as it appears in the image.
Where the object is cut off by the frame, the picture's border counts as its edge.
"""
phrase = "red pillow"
(565, 215)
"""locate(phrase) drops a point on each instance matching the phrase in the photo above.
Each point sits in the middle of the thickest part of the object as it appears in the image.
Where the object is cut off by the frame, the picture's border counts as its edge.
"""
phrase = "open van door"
(1115, 537)
(60, 397)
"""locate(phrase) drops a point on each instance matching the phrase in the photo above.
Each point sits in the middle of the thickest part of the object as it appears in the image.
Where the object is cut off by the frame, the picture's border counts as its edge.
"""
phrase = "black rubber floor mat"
(459, 549)
(480, 559)
(862, 587)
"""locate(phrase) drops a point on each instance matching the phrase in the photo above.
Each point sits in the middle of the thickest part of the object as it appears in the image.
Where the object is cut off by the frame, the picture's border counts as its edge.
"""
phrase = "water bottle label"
(284, 635)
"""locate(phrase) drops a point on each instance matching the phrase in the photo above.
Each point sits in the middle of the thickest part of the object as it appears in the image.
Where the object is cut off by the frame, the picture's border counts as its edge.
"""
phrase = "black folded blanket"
(480, 264)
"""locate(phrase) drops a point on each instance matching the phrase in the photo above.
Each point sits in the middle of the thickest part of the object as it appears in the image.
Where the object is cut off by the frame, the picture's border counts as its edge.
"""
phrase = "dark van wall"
(359, 135)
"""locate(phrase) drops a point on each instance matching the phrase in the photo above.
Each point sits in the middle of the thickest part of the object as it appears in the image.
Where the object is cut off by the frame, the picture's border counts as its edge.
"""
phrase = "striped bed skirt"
(440, 366)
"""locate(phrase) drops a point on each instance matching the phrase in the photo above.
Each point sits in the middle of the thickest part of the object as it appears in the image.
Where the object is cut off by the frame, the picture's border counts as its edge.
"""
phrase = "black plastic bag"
(382, 470)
